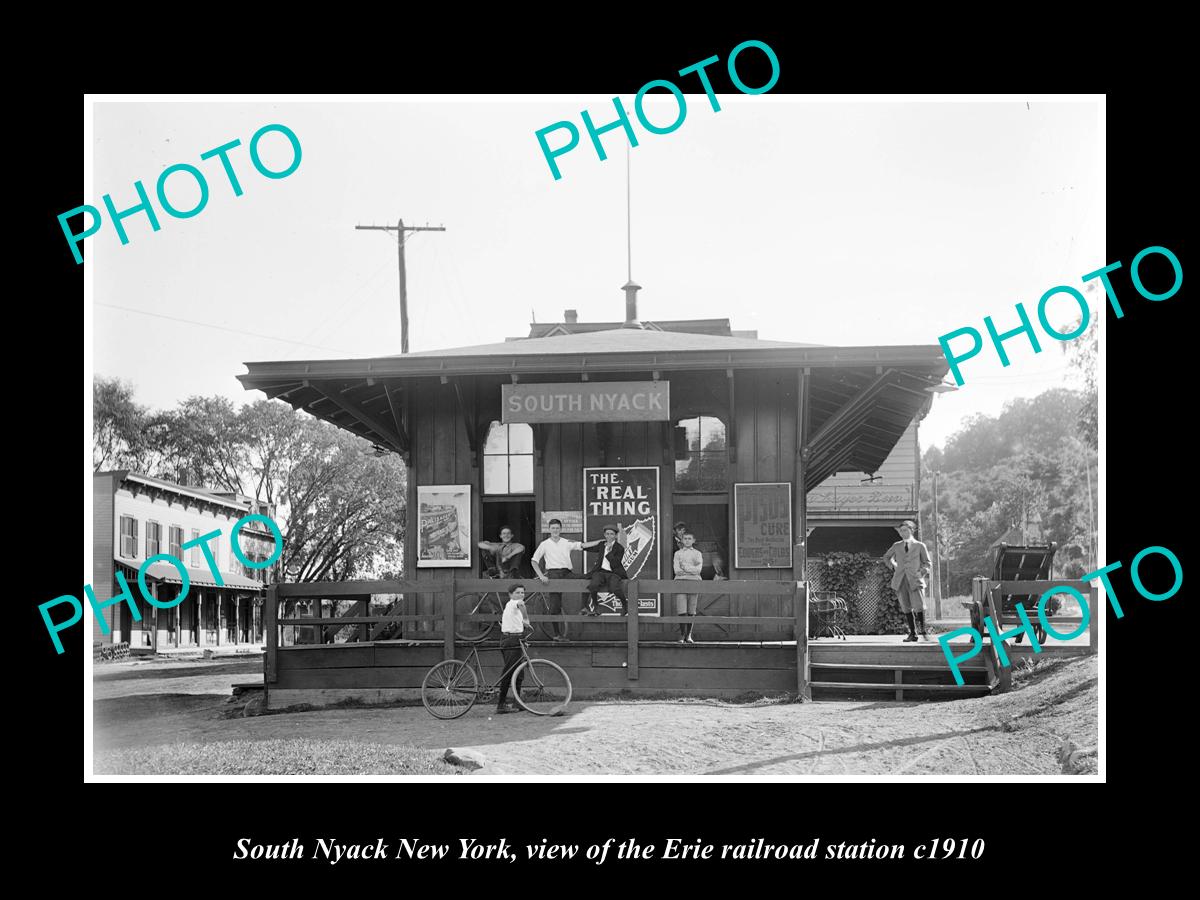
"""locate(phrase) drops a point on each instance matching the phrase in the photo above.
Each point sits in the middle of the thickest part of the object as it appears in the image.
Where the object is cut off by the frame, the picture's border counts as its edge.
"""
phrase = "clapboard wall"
(446, 419)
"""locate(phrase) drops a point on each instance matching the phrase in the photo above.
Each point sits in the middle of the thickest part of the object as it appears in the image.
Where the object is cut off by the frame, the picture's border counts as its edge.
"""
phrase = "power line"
(142, 312)
(328, 317)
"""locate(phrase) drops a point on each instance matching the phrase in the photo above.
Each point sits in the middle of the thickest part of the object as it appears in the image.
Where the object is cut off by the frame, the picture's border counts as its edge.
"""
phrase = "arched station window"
(701, 459)
(508, 459)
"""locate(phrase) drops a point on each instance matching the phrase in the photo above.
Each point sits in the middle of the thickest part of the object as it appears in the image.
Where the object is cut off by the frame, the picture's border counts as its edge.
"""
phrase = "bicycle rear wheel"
(545, 687)
(475, 604)
(543, 631)
(450, 688)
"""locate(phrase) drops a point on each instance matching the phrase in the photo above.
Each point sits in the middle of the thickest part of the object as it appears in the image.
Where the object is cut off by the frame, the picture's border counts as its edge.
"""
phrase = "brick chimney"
(571, 316)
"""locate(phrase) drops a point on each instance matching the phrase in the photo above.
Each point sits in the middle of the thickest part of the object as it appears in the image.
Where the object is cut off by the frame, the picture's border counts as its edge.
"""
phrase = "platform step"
(864, 686)
(891, 667)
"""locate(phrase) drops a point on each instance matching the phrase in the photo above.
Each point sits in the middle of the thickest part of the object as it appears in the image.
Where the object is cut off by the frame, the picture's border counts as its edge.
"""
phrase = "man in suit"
(910, 563)
(609, 572)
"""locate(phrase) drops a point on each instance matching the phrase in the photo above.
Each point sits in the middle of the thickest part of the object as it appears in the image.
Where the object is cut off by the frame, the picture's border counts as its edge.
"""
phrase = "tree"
(116, 422)
(125, 434)
(341, 507)
(206, 445)
(996, 473)
(346, 506)
(1084, 353)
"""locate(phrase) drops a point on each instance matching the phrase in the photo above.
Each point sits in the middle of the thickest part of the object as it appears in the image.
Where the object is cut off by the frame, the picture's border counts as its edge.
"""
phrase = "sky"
(825, 221)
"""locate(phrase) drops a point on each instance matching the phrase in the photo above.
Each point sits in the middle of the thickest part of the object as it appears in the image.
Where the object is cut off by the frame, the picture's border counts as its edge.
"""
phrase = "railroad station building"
(770, 451)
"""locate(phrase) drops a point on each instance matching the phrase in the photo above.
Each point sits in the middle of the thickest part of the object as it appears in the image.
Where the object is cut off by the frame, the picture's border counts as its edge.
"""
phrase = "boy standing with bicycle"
(513, 624)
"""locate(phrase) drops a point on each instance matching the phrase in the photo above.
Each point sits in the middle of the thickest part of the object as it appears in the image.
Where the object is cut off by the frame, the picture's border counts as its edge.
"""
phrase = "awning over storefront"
(169, 574)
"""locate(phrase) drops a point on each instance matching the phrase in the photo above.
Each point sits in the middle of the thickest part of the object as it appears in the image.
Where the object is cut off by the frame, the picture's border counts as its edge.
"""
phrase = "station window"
(175, 542)
(508, 459)
(701, 460)
(194, 559)
(153, 539)
(129, 537)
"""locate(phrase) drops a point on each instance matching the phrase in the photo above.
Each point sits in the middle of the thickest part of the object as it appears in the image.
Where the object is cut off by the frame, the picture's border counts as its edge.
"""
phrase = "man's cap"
(679, 525)
(613, 528)
(908, 523)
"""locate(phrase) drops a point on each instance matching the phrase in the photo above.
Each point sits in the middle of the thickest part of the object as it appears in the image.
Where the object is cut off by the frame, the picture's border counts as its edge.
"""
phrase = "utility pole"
(1087, 471)
(400, 230)
(937, 553)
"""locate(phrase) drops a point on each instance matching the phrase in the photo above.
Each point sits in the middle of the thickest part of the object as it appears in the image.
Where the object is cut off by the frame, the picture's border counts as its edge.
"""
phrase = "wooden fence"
(632, 631)
(986, 594)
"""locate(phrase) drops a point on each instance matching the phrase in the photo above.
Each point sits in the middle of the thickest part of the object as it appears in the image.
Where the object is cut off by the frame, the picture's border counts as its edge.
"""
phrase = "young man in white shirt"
(555, 553)
(513, 623)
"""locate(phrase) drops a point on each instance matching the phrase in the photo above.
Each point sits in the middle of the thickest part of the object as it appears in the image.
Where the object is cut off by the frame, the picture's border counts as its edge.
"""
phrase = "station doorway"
(520, 516)
(709, 522)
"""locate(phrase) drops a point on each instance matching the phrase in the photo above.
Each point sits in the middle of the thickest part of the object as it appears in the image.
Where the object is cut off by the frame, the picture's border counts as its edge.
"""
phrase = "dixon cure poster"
(762, 516)
(627, 497)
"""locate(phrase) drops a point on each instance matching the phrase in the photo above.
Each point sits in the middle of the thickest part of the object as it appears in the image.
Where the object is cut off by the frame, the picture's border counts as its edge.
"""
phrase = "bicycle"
(451, 687)
(491, 604)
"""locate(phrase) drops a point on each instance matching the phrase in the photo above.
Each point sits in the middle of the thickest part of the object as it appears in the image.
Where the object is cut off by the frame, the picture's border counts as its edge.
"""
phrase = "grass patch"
(1033, 669)
(274, 757)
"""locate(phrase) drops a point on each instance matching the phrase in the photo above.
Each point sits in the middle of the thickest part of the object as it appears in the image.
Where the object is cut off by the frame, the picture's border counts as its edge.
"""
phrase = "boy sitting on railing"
(503, 557)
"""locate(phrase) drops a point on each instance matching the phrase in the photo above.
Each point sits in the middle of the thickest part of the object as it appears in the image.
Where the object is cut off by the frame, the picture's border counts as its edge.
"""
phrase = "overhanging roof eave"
(262, 374)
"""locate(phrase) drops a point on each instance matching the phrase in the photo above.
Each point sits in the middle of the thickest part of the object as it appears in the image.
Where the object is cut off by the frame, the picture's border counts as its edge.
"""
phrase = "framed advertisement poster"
(762, 520)
(443, 526)
(627, 497)
(572, 520)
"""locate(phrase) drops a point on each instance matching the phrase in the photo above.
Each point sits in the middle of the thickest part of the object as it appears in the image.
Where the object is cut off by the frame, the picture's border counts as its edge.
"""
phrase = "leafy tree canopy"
(341, 508)
(1030, 469)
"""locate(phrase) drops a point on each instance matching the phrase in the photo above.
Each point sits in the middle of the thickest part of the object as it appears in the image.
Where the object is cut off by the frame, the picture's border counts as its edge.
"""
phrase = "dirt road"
(143, 708)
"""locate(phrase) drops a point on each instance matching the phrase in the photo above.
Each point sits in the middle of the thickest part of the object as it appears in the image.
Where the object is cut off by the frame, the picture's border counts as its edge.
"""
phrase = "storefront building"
(136, 517)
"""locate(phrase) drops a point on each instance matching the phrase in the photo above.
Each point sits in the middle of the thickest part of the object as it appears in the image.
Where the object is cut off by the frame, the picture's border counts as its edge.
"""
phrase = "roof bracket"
(389, 436)
(731, 431)
(398, 421)
(472, 435)
(832, 434)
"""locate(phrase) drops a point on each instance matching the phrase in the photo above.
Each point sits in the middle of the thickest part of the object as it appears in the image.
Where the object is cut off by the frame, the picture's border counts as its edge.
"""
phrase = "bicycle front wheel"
(475, 605)
(545, 689)
(450, 688)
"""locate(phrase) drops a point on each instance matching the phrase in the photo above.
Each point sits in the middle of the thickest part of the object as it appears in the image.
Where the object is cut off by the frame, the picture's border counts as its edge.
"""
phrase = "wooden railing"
(446, 589)
(986, 602)
(862, 498)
